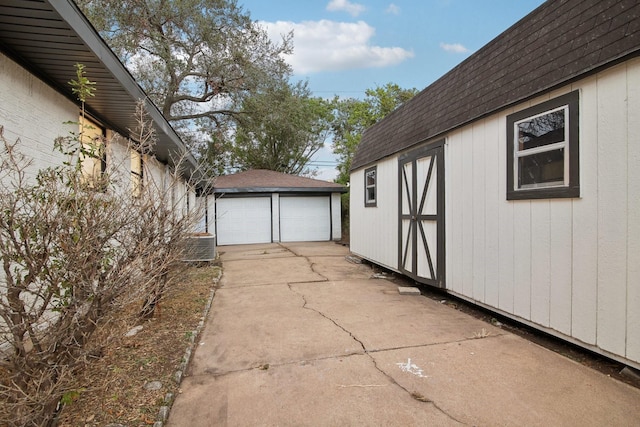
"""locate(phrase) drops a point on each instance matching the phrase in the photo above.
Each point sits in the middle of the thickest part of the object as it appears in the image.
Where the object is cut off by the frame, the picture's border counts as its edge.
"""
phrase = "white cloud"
(454, 47)
(393, 9)
(354, 9)
(332, 46)
(326, 174)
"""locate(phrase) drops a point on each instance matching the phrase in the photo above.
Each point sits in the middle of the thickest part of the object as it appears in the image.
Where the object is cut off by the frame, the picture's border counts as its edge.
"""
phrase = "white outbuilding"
(513, 181)
(263, 206)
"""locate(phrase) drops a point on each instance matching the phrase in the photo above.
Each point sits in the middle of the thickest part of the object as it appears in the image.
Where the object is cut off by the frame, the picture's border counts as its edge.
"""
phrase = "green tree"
(196, 59)
(282, 129)
(353, 116)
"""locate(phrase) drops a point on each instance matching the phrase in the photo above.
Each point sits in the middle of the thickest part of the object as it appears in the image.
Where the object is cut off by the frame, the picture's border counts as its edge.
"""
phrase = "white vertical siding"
(466, 192)
(505, 226)
(522, 259)
(540, 263)
(560, 250)
(374, 230)
(453, 205)
(492, 199)
(633, 212)
(478, 214)
(612, 209)
(571, 265)
(585, 222)
(275, 217)
(336, 216)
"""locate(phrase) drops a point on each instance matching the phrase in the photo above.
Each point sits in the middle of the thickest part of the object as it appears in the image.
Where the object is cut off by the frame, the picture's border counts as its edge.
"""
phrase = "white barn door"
(421, 220)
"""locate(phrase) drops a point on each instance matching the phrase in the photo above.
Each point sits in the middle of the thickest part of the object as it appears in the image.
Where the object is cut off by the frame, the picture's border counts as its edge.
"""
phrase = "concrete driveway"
(299, 336)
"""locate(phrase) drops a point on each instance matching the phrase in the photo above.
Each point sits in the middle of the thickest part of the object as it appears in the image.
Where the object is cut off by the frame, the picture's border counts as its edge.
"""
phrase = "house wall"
(33, 112)
(569, 266)
(118, 164)
(155, 175)
(178, 195)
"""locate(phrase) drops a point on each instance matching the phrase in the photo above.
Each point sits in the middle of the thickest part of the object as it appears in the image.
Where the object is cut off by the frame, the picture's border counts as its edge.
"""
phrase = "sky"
(344, 47)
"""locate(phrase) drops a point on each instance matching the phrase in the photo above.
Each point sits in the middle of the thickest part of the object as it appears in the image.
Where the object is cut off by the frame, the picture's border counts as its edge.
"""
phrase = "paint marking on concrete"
(411, 368)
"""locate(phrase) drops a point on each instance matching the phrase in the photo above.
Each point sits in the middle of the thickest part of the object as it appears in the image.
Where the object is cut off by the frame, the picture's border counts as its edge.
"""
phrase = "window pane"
(370, 187)
(371, 194)
(371, 178)
(542, 130)
(93, 152)
(541, 168)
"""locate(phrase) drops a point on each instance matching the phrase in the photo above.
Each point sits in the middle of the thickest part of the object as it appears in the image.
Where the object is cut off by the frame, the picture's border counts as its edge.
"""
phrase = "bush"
(73, 253)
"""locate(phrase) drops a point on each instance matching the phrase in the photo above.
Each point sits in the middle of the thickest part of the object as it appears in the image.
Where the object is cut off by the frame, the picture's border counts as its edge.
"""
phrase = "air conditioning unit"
(200, 247)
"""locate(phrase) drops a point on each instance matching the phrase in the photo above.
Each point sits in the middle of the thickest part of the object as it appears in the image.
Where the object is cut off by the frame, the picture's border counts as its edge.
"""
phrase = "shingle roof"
(267, 181)
(560, 41)
(48, 37)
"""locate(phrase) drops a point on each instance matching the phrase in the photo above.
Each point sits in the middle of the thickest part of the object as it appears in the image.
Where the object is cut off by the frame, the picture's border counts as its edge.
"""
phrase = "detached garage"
(262, 206)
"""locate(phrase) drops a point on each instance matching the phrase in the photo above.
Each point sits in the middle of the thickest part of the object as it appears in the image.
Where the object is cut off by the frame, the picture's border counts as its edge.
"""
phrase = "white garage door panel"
(305, 219)
(243, 220)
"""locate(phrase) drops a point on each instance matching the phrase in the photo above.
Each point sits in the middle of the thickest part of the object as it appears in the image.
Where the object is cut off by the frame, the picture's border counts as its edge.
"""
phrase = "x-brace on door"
(421, 243)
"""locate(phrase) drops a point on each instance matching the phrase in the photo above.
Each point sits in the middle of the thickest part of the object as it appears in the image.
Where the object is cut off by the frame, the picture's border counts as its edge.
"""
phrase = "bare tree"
(74, 253)
(196, 59)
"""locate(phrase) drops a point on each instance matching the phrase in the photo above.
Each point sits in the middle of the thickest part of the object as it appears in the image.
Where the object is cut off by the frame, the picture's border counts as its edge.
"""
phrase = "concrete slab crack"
(414, 395)
(311, 264)
(304, 306)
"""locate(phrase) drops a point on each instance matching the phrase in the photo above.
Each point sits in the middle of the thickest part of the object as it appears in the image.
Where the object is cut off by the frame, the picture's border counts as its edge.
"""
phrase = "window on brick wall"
(93, 154)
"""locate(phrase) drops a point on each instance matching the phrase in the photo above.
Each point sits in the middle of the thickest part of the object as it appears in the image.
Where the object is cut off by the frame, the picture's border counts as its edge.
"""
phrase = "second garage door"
(242, 220)
(305, 219)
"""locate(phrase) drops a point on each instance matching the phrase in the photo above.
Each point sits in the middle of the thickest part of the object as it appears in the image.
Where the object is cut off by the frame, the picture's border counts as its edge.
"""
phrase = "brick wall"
(33, 112)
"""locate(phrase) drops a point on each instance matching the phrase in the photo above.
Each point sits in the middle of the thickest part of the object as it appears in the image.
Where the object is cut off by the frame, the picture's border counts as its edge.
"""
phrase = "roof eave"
(236, 190)
(169, 148)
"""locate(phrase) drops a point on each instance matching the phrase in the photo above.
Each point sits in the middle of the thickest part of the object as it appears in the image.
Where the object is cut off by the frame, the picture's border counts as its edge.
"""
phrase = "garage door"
(243, 220)
(305, 219)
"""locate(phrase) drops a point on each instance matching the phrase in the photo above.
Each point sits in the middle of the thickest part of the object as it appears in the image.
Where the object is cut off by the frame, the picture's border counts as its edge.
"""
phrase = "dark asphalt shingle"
(559, 42)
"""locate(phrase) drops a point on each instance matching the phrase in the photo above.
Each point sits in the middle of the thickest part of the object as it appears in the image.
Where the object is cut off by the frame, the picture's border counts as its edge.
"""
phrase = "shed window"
(543, 144)
(370, 183)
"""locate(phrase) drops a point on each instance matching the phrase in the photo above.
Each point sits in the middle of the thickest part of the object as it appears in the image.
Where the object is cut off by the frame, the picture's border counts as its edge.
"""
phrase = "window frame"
(368, 202)
(570, 187)
(93, 151)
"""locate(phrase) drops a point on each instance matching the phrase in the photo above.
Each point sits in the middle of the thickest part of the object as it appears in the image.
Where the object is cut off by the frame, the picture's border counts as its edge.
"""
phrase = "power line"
(322, 164)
